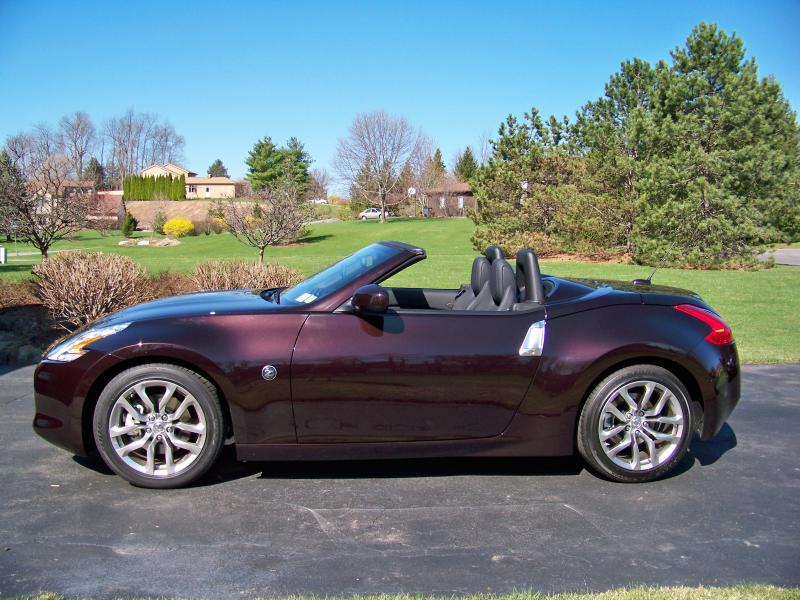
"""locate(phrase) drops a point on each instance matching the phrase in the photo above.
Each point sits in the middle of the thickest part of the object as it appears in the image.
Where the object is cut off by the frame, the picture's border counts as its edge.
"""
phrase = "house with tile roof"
(196, 187)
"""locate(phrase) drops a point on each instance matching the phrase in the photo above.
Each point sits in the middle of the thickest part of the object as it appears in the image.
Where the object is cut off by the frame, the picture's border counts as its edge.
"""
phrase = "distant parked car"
(373, 213)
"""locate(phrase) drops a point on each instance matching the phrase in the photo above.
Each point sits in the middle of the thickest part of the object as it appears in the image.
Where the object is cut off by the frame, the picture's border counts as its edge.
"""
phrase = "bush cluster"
(234, 275)
(178, 227)
(80, 287)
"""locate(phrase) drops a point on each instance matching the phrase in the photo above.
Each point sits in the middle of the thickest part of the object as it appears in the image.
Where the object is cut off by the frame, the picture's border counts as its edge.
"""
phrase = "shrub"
(343, 213)
(159, 219)
(233, 275)
(80, 287)
(178, 227)
(170, 283)
(129, 224)
(17, 294)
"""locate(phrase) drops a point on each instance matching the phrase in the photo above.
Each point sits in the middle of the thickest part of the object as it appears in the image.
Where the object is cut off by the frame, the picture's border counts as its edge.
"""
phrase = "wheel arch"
(100, 382)
(681, 372)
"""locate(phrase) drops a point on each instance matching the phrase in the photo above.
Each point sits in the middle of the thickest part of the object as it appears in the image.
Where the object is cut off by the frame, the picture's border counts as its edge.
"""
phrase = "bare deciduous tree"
(78, 137)
(135, 141)
(372, 156)
(318, 186)
(427, 175)
(271, 216)
(50, 205)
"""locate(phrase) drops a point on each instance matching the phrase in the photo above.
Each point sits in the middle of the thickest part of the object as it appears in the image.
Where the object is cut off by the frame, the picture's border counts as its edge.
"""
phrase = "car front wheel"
(636, 424)
(159, 425)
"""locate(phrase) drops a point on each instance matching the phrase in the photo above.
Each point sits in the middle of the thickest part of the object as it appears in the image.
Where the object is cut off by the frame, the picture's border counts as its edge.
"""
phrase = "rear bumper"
(721, 388)
(60, 391)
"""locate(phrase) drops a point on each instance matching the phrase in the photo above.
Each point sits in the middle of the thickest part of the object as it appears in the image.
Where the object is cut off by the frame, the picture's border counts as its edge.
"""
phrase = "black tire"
(205, 408)
(610, 390)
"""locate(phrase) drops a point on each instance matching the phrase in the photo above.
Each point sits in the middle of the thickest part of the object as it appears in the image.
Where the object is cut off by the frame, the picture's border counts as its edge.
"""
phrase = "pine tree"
(217, 169)
(466, 165)
(438, 163)
(182, 187)
(268, 163)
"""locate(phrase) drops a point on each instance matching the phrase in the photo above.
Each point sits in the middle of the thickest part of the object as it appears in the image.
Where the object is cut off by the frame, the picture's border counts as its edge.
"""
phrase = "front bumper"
(60, 392)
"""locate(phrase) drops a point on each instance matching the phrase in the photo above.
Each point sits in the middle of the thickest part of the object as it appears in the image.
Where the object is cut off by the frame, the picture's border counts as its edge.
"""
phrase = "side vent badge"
(533, 344)
(269, 372)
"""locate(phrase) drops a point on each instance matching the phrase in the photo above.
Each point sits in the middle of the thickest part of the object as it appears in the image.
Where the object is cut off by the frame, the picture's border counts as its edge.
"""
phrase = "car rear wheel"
(159, 425)
(636, 425)
(363, 218)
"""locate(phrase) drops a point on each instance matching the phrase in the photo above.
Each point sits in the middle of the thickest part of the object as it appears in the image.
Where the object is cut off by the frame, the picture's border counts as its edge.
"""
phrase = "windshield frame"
(404, 256)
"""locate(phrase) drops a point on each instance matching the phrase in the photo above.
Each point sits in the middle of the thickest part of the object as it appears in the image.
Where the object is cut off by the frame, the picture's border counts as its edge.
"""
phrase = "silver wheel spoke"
(128, 407)
(150, 467)
(135, 445)
(162, 404)
(117, 431)
(677, 419)
(199, 428)
(188, 446)
(651, 449)
(169, 465)
(619, 447)
(187, 402)
(662, 437)
(140, 391)
(648, 393)
(612, 432)
(635, 462)
(660, 405)
(616, 412)
(627, 397)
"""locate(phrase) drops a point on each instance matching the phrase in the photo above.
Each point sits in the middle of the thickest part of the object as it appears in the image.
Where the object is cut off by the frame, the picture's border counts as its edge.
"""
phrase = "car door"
(409, 375)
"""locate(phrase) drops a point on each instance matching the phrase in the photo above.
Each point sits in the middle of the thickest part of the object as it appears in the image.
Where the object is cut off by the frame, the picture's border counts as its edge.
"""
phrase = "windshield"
(338, 275)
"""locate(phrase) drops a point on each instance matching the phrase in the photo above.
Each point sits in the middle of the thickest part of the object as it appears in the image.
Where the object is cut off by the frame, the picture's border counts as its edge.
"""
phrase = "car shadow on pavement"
(229, 469)
(706, 452)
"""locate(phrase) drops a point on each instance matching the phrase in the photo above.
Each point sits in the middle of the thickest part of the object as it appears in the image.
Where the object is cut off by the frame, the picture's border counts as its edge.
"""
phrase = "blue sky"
(228, 73)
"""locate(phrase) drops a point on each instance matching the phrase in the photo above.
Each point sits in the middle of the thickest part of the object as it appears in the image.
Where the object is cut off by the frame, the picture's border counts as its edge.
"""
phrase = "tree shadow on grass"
(313, 239)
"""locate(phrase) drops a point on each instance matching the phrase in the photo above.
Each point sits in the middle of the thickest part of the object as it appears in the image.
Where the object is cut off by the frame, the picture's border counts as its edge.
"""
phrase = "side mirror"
(370, 299)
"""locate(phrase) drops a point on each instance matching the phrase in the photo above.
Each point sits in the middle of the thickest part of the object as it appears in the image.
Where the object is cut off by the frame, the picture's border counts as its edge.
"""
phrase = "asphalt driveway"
(730, 515)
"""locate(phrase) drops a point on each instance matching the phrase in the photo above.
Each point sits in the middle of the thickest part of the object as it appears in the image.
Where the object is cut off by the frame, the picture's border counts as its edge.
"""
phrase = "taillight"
(720, 333)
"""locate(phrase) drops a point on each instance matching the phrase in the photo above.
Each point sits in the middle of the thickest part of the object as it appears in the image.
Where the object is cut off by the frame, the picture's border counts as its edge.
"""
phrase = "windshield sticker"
(306, 298)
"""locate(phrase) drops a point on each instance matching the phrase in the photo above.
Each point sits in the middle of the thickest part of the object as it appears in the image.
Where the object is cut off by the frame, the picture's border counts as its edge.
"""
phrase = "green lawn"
(763, 307)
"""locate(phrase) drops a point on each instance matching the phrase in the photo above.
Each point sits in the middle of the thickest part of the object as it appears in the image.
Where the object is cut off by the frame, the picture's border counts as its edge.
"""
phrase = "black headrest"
(493, 253)
(502, 278)
(529, 279)
(480, 273)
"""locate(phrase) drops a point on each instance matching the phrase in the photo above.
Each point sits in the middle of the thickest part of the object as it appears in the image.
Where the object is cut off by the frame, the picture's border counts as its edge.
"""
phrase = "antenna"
(648, 281)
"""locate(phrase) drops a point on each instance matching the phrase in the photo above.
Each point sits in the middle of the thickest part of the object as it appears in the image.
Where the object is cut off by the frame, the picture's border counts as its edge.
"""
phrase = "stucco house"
(196, 187)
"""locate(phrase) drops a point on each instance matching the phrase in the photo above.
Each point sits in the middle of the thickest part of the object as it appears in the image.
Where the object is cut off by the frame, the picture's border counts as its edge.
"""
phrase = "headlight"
(73, 347)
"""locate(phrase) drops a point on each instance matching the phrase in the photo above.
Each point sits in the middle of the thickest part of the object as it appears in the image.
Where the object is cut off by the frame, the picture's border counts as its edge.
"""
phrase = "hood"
(202, 303)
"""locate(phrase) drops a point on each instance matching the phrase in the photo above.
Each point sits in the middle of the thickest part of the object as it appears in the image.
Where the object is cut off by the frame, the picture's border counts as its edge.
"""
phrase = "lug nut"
(627, 427)
(169, 429)
(148, 430)
(160, 437)
(151, 418)
(641, 413)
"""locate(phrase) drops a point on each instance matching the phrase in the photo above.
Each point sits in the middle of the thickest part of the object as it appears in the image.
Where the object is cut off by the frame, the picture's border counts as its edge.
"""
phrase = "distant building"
(450, 198)
(196, 187)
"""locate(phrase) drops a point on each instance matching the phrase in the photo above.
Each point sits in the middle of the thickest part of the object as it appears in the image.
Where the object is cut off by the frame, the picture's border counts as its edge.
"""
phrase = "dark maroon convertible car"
(514, 363)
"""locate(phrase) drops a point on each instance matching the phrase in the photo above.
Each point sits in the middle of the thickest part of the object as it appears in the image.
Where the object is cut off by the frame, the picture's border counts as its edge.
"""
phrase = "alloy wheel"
(157, 428)
(641, 425)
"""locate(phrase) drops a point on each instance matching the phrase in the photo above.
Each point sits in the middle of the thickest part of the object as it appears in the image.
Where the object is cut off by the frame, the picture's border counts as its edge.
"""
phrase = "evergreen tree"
(95, 173)
(217, 169)
(268, 163)
(725, 149)
(438, 164)
(466, 165)
(182, 187)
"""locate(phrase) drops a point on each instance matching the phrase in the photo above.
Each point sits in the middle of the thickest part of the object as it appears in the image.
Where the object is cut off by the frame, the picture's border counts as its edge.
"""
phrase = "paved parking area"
(437, 526)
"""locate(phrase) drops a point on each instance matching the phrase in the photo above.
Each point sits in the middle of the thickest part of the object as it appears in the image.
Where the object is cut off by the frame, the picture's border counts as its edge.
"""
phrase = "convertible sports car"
(514, 363)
